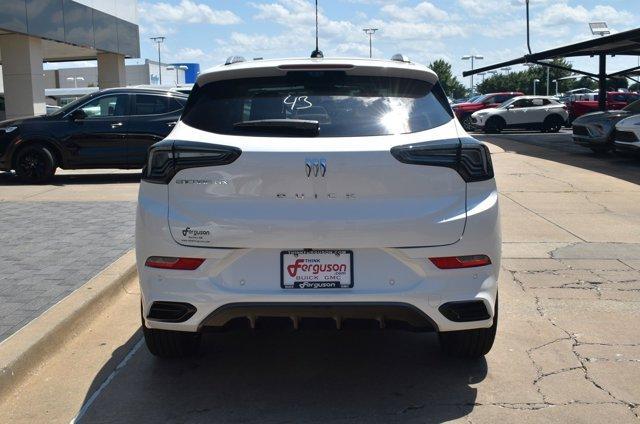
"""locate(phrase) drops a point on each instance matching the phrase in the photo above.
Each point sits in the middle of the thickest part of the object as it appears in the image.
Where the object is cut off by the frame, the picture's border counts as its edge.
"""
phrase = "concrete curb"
(25, 351)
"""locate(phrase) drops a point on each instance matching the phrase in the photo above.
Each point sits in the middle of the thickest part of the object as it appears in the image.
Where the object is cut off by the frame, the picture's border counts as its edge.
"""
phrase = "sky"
(208, 31)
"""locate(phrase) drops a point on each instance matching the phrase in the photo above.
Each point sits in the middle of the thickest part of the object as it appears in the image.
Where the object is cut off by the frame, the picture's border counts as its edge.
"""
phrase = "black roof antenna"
(316, 54)
(528, 42)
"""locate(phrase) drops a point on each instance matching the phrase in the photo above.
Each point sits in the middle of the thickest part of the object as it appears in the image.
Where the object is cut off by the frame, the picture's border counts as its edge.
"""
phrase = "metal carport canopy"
(625, 43)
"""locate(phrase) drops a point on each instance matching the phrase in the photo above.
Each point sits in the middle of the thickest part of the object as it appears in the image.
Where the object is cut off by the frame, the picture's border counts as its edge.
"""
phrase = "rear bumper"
(390, 283)
(345, 314)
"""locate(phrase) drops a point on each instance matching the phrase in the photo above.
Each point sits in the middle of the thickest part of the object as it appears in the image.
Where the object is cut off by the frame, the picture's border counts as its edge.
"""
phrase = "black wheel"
(35, 164)
(553, 123)
(170, 344)
(466, 123)
(469, 343)
(495, 125)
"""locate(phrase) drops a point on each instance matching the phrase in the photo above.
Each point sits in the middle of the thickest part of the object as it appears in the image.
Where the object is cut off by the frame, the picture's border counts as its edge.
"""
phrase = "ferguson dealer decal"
(193, 235)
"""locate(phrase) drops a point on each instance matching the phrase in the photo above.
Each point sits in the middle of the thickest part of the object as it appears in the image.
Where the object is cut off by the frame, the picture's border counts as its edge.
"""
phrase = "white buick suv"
(340, 191)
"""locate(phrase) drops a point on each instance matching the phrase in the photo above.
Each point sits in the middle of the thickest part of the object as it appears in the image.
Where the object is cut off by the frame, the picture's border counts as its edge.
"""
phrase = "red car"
(615, 101)
(464, 110)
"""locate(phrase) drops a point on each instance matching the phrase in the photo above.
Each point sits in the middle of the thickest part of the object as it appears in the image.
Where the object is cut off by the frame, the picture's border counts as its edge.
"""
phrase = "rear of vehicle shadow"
(10, 179)
(560, 148)
(319, 376)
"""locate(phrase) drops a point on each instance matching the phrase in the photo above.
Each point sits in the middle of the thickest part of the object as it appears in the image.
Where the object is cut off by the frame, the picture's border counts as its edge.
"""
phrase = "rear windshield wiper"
(292, 126)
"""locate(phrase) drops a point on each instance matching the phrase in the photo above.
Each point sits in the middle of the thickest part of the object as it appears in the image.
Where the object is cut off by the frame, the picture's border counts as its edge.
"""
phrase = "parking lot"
(567, 348)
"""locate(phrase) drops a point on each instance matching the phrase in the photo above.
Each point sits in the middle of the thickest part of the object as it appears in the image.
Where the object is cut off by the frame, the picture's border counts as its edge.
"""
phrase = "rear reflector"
(166, 262)
(453, 262)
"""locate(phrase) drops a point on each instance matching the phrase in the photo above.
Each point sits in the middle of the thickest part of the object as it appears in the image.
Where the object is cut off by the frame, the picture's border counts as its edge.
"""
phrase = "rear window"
(343, 105)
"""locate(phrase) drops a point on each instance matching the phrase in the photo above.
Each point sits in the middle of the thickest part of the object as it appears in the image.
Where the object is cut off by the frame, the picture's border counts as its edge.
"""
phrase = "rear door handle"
(116, 124)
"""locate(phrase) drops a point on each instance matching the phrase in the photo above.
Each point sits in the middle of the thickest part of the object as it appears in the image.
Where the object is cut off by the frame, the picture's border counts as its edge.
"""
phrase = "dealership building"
(37, 31)
(137, 72)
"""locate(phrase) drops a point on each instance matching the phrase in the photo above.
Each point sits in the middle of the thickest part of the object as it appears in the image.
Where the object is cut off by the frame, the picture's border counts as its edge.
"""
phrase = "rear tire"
(552, 124)
(35, 164)
(495, 125)
(466, 123)
(469, 343)
(170, 344)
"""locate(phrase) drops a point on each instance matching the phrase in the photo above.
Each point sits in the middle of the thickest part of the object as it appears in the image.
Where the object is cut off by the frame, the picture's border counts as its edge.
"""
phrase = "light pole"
(506, 69)
(472, 57)
(158, 41)
(75, 80)
(370, 32)
(556, 81)
(177, 69)
(483, 74)
(535, 82)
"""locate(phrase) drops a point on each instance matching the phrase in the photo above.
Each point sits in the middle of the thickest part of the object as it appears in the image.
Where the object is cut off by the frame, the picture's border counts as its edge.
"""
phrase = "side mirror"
(510, 106)
(78, 115)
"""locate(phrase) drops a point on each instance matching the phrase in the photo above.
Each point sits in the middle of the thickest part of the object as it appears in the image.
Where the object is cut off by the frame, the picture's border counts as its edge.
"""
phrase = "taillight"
(471, 159)
(168, 262)
(168, 157)
(455, 262)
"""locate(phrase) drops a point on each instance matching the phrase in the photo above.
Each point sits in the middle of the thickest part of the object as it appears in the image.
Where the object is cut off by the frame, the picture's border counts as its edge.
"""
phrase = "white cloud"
(423, 10)
(186, 54)
(298, 17)
(562, 14)
(186, 11)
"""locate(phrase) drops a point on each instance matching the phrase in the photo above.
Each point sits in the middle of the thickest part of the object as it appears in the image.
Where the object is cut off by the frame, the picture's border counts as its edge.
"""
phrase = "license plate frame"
(317, 284)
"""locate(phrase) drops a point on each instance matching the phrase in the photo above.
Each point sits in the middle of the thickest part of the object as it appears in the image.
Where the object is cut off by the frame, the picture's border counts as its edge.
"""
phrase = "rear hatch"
(331, 183)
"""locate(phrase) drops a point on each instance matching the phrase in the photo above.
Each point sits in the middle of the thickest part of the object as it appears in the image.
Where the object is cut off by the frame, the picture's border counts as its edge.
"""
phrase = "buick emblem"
(315, 168)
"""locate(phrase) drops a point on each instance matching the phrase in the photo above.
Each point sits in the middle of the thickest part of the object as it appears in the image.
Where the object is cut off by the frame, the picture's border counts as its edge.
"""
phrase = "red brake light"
(455, 262)
(166, 262)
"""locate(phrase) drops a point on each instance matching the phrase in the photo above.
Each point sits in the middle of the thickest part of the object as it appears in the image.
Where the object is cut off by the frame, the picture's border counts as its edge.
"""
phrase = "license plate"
(316, 269)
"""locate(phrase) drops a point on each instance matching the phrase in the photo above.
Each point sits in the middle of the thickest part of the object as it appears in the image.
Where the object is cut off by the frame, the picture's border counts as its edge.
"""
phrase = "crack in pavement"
(574, 344)
(543, 217)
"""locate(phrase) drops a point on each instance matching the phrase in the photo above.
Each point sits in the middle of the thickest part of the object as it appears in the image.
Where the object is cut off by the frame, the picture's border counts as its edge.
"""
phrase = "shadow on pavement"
(560, 148)
(9, 178)
(307, 376)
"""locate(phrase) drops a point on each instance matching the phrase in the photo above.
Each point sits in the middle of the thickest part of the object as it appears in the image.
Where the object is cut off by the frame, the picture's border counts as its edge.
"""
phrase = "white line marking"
(106, 382)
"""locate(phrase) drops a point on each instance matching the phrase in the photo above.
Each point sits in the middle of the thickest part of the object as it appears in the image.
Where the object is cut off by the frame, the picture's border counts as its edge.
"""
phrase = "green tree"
(584, 82)
(634, 87)
(450, 84)
(613, 84)
(523, 80)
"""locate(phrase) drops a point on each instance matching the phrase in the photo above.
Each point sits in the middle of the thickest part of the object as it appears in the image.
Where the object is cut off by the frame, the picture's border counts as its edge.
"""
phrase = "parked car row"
(527, 112)
(464, 110)
(111, 128)
(613, 129)
(586, 103)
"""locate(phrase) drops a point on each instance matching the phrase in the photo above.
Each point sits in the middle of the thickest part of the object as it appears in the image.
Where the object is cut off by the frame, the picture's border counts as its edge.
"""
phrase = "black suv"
(111, 128)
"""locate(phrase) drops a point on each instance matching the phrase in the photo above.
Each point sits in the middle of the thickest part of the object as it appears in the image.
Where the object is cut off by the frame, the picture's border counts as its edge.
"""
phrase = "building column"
(111, 70)
(23, 75)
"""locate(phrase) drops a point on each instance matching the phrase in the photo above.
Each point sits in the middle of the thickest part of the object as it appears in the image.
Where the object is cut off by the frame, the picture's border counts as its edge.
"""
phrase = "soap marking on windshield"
(296, 103)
